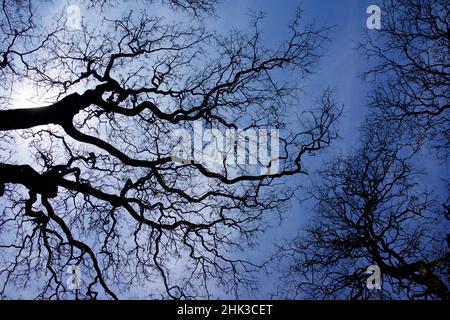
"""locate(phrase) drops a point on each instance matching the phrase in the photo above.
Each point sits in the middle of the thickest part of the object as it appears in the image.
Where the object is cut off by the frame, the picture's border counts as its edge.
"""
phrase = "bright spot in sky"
(27, 96)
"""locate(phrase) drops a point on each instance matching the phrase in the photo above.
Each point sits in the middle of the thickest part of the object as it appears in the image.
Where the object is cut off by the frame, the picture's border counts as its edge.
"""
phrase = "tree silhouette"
(411, 69)
(371, 209)
(98, 187)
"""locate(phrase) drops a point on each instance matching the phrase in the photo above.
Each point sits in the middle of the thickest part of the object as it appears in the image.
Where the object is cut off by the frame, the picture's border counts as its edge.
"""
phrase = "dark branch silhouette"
(99, 188)
(412, 69)
(370, 209)
(373, 207)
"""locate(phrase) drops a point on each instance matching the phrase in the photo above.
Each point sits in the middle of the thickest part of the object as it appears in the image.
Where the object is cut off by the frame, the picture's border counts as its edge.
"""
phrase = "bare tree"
(411, 69)
(98, 187)
(371, 209)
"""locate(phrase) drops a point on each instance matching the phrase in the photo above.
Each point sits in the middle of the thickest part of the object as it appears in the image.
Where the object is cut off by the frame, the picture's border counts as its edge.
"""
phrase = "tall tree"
(411, 69)
(89, 178)
(371, 209)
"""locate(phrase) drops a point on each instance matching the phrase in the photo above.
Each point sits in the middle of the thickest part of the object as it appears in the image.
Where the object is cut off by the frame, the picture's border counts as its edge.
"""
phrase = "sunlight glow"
(27, 96)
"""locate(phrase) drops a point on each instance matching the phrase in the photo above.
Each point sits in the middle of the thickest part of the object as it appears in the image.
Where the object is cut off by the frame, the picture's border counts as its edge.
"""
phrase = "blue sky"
(339, 69)
(340, 66)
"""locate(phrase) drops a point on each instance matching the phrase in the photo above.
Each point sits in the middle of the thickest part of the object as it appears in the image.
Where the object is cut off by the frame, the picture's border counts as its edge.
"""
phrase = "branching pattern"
(101, 190)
